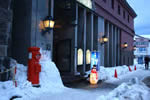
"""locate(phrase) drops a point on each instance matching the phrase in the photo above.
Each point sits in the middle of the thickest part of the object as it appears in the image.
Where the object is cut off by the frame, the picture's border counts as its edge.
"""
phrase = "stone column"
(115, 45)
(76, 41)
(112, 43)
(119, 44)
(51, 11)
(92, 31)
(84, 43)
(100, 34)
(108, 48)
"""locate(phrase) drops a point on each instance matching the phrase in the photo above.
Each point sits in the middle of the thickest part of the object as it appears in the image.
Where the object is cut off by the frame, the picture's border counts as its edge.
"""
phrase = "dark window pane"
(112, 4)
(124, 14)
(119, 9)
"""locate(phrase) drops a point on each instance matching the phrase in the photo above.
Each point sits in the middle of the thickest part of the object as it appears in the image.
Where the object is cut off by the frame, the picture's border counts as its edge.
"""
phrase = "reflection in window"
(88, 57)
(80, 57)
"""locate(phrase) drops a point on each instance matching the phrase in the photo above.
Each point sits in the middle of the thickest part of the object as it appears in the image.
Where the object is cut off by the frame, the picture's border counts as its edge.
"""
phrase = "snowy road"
(84, 91)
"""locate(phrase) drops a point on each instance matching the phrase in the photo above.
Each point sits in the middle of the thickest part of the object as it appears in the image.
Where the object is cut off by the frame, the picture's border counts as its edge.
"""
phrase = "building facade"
(79, 27)
(142, 49)
(6, 13)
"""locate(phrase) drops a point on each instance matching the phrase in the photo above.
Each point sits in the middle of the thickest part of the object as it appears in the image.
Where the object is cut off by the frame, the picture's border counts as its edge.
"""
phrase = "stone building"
(79, 27)
(6, 13)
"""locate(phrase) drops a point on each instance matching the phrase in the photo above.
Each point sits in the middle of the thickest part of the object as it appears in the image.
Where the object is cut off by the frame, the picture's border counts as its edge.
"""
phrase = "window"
(119, 9)
(88, 57)
(104, 1)
(80, 57)
(124, 14)
(112, 4)
(142, 49)
(128, 18)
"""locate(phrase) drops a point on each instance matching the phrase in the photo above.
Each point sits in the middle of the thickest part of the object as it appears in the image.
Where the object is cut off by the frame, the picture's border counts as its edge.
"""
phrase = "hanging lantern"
(125, 45)
(93, 76)
(134, 47)
(48, 23)
(104, 39)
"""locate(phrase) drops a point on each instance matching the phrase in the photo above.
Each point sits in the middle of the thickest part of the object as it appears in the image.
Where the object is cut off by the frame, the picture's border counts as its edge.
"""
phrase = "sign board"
(87, 3)
(95, 59)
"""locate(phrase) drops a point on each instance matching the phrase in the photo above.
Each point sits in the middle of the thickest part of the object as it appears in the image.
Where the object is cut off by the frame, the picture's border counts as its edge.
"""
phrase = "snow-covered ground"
(128, 85)
(50, 82)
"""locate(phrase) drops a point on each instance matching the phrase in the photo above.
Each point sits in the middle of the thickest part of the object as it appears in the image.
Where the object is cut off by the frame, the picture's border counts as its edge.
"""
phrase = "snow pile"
(50, 76)
(50, 81)
(108, 73)
(133, 90)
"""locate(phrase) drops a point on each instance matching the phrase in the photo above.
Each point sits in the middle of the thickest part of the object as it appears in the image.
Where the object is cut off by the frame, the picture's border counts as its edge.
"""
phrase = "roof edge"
(130, 9)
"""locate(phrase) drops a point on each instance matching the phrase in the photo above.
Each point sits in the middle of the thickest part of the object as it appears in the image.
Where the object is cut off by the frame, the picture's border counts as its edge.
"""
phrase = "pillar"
(84, 43)
(76, 41)
(92, 30)
(51, 12)
(108, 48)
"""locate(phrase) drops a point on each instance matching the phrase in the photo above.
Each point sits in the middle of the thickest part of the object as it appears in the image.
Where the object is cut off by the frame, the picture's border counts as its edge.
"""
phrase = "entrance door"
(63, 55)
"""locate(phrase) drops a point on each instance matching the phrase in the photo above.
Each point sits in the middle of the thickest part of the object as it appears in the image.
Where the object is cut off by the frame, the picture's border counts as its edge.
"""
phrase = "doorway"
(63, 55)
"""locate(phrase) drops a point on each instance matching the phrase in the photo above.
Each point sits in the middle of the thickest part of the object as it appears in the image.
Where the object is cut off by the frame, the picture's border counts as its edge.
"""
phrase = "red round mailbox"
(34, 68)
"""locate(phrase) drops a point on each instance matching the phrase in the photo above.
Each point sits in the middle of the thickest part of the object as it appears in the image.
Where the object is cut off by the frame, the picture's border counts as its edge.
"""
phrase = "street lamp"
(48, 23)
(104, 39)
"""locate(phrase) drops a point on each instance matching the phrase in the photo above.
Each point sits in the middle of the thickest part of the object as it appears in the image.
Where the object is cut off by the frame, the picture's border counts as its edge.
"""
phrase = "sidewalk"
(84, 91)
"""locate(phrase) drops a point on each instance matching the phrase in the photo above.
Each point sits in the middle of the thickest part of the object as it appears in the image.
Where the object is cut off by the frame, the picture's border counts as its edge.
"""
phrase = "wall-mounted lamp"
(125, 45)
(104, 39)
(134, 47)
(48, 23)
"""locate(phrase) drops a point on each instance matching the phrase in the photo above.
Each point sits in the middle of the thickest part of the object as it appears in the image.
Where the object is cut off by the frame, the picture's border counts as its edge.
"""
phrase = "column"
(108, 48)
(105, 45)
(115, 44)
(119, 47)
(84, 50)
(76, 42)
(92, 31)
(112, 43)
(100, 34)
(51, 8)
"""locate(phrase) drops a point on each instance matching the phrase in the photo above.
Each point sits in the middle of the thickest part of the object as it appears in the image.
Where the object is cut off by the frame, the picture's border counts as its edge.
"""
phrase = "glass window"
(80, 57)
(104, 1)
(112, 4)
(142, 49)
(124, 14)
(128, 18)
(119, 9)
(88, 57)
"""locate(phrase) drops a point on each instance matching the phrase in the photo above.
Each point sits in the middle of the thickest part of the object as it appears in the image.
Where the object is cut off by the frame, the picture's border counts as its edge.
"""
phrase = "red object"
(95, 72)
(34, 68)
(15, 83)
(135, 67)
(93, 77)
(15, 70)
(129, 69)
(116, 76)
